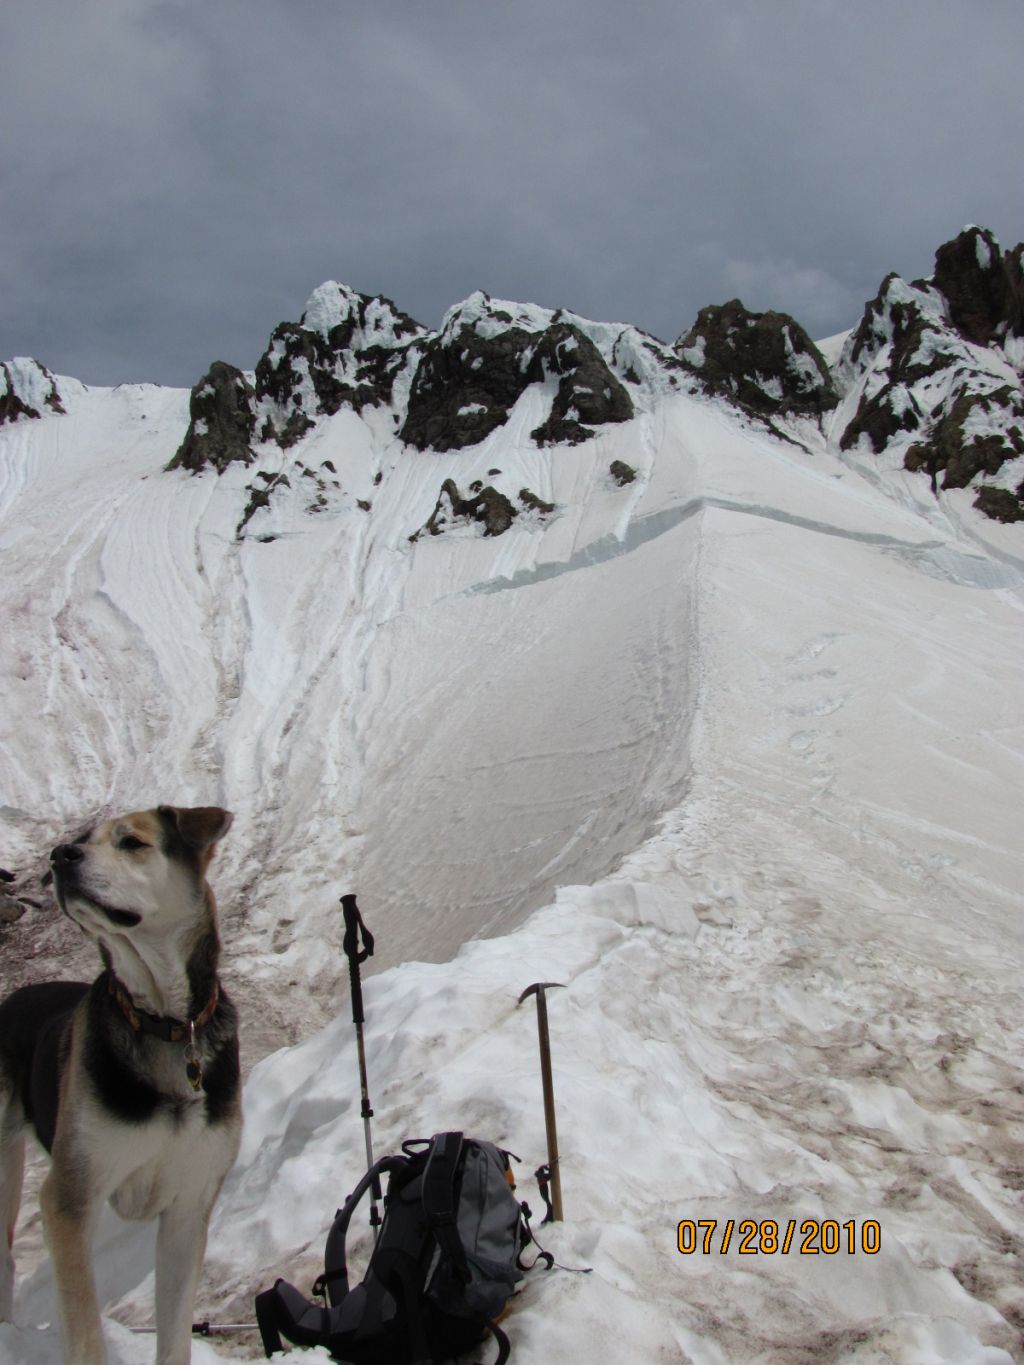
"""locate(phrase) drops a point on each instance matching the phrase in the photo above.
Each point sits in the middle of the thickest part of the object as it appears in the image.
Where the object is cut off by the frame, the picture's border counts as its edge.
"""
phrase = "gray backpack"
(442, 1271)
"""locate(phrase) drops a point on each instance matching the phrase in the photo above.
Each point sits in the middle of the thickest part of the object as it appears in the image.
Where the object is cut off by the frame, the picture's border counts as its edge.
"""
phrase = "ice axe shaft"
(538, 988)
(356, 932)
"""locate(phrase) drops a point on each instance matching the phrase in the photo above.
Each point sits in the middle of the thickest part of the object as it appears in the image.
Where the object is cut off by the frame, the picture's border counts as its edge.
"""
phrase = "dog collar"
(164, 1027)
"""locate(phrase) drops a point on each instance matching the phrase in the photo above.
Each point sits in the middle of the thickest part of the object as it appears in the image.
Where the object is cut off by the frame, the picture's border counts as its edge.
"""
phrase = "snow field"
(745, 737)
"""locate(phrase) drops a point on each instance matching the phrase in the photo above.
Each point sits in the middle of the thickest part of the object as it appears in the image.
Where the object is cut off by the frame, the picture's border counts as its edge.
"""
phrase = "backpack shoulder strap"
(439, 1197)
(334, 1280)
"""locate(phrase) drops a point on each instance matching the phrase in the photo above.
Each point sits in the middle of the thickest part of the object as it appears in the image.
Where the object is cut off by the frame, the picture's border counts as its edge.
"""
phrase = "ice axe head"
(538, 988)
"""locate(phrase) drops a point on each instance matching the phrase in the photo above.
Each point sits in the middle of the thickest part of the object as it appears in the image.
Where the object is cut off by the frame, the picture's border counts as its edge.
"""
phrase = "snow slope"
(734, 752)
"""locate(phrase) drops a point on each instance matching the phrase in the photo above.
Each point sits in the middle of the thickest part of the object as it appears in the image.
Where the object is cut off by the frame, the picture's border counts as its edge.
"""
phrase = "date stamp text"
(809, 1237)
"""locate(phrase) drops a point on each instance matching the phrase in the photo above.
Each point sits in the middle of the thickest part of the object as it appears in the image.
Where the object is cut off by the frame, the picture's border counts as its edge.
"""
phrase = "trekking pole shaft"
(375, 1189)
(549, 1106)
(353, 924)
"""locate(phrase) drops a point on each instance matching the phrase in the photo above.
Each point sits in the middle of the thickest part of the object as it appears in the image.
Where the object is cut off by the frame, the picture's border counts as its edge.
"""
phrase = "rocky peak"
(474, 370)
(983, 288)
(938, 369)
(221, 421)
(356, 322)
(347, 348)
(27, 389)
(766, 362)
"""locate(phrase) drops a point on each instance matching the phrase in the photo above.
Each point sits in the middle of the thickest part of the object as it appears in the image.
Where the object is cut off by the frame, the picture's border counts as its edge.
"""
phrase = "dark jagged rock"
(963, 456)
(13, 903)
(764, 361)
(891, 410)
(297, 359)
(1001, 504)
(907, 318)
(347, 349)
(260, 497)
(587, 389)
(11, 910)
(465, 386)
(898, 319)
(533, 503)
(485, 504)
(622, 472)
(982, 287)
(221, 422)
(472, 373)
(26, 388)
(939, 368)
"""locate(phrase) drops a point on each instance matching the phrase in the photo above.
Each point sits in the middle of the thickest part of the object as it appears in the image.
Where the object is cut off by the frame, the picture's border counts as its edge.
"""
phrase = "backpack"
(444, 1266)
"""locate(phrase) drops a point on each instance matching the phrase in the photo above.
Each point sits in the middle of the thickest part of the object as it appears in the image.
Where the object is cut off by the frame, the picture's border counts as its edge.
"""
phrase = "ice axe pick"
(538, 988)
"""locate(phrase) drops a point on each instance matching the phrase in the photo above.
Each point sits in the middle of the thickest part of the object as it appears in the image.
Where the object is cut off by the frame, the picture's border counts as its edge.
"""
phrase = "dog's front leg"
(69, 1220)
(180, 1247)
(12, 1167)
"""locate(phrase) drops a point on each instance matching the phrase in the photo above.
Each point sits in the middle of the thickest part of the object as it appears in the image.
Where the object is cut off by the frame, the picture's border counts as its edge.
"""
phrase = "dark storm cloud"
(178, 175)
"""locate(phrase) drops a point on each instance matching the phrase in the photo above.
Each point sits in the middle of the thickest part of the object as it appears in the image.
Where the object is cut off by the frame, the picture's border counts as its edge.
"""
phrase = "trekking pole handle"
(355, 930)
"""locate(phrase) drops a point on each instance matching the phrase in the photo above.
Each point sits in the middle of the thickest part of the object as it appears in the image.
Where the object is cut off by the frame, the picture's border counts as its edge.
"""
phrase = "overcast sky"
(178, 175)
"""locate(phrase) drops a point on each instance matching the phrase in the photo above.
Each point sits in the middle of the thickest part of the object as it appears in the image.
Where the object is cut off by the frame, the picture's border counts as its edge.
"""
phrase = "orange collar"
(161, 1025)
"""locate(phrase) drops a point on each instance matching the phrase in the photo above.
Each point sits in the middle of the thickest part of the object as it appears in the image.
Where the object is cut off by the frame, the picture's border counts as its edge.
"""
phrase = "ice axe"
(356, 931)
(554, 1174)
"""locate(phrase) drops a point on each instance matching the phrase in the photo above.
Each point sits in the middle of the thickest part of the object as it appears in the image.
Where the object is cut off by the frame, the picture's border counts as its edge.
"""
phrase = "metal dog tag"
(193, 1069)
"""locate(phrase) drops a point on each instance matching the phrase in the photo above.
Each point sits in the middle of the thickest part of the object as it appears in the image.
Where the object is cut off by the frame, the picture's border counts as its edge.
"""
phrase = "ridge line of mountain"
(932, 378)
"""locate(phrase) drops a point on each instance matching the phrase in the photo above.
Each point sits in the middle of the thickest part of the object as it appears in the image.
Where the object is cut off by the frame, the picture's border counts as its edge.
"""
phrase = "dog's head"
(141, 874)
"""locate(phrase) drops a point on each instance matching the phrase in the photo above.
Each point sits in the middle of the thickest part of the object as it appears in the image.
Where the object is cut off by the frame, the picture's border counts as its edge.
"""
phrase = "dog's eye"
(130, 843)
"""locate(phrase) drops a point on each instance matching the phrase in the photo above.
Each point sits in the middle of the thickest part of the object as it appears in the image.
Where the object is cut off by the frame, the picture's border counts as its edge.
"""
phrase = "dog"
(131, 1083)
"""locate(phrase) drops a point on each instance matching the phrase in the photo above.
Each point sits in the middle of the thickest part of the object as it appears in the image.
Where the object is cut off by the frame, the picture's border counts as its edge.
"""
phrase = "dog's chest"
(175, 1159)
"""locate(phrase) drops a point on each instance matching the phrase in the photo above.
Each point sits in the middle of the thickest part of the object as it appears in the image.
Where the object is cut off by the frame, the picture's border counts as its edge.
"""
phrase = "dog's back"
(35, 1034)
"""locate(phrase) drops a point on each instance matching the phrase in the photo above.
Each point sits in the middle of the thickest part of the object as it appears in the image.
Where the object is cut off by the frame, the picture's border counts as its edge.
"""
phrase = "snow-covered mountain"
(687, 675)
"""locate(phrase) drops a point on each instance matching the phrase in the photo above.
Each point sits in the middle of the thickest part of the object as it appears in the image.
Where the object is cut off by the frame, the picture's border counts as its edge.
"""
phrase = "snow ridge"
(730, 743)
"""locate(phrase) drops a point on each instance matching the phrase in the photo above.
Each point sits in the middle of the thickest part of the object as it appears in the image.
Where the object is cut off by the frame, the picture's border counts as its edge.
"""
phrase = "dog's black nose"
(66, 853)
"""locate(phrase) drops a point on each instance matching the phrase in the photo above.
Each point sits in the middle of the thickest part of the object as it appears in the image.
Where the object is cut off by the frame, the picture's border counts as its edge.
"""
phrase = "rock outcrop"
(765, 362)
(494, 510)
(588, 395)
(221, 422)
(447, 390)
(346, 349)
(473, 372)
(932, 378)
(27, 390)
(939, 364)
(982, 286)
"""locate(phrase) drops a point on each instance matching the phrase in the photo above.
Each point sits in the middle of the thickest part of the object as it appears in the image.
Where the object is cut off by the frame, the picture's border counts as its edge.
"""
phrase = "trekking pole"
(554, 1174)
(355, 930)
(205, 1329)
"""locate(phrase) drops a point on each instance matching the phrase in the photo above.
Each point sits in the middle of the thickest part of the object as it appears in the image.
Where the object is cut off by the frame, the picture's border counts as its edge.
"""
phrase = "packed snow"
(734, 753)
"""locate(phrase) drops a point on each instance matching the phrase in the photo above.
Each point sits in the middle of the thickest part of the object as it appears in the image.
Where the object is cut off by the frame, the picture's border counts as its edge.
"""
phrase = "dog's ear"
(197, 826)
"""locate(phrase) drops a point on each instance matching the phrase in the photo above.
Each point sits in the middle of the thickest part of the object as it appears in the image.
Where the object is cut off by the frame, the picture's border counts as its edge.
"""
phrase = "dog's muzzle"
(65, 861)
(65, 855)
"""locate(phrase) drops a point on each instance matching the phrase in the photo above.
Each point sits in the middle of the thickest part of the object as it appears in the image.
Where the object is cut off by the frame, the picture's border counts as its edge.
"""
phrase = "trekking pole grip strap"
(355, 932)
